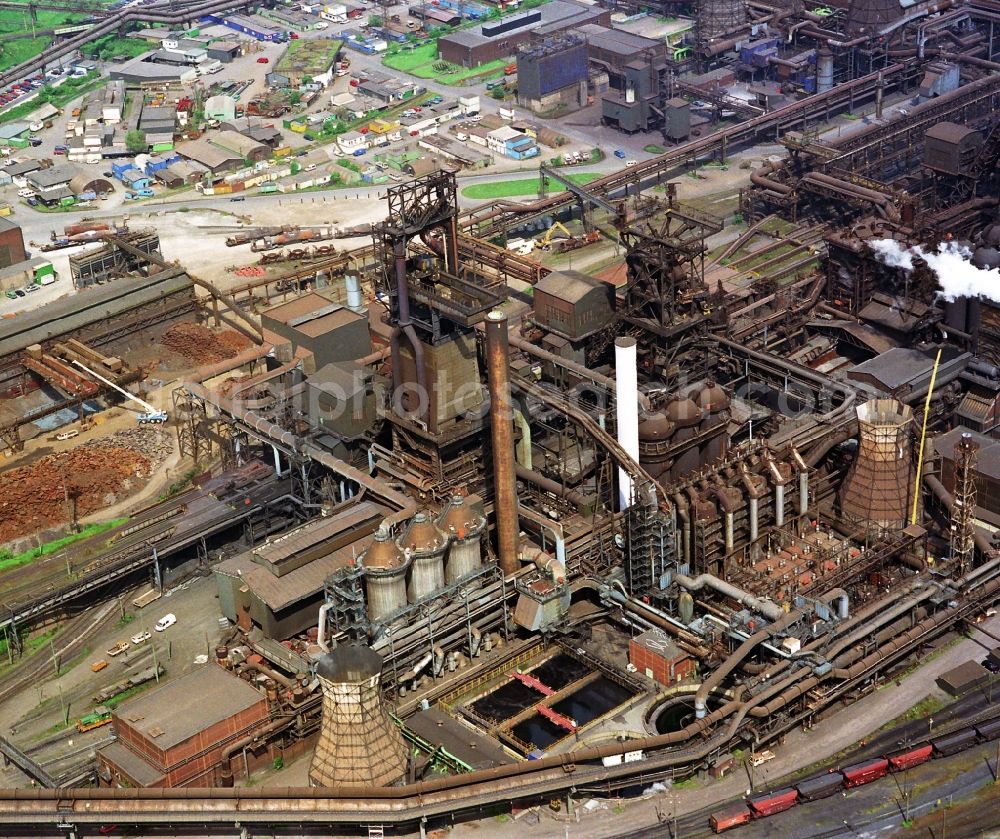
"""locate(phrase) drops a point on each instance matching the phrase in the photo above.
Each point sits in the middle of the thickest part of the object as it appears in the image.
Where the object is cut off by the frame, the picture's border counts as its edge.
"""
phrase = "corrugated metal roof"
(77, 311)
(307, 580)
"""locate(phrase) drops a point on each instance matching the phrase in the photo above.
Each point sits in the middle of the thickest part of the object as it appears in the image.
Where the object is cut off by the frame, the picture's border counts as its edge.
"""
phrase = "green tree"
(295, 97)
(498, 92)
(374, 20)
(135, 142)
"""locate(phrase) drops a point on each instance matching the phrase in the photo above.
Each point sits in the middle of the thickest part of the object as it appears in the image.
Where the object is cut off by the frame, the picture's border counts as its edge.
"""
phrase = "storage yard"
(671, 495)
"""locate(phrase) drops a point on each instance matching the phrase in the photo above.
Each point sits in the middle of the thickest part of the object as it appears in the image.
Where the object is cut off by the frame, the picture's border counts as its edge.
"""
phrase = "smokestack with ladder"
(502, 429)
(627, 411)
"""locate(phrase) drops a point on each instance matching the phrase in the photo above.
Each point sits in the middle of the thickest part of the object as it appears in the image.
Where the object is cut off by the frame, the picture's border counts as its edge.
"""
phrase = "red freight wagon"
(864, 773)
(730, 817)
(773, 802)
(910, 757)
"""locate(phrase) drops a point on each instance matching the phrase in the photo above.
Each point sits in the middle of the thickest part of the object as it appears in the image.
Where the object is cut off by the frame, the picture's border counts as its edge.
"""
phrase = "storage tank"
(385, 575)
(714, 403)
(359, 745)
(464, 521)
(425, 545)
(655, 431)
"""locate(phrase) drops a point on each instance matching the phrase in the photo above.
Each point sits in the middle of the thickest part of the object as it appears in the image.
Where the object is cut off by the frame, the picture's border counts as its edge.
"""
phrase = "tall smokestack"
(627, 411)
(502, 428)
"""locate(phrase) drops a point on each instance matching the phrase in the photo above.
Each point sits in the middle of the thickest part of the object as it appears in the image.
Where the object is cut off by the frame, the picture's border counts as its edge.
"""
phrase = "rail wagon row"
(856, 775)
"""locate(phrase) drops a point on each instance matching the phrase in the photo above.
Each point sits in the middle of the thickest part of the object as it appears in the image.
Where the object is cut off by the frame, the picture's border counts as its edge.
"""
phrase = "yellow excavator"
(565, 242)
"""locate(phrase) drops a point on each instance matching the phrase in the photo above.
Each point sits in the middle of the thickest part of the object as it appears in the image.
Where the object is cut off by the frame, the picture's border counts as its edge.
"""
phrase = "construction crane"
(151, 414)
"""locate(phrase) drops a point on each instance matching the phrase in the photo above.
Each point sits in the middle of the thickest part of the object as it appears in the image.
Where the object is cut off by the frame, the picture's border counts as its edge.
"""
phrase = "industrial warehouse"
(655, 502)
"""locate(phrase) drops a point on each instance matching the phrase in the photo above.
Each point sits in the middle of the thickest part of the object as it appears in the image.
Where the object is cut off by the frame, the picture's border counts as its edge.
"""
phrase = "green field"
(522, 186)
(21, 49)
(111, 46)
(420, 61)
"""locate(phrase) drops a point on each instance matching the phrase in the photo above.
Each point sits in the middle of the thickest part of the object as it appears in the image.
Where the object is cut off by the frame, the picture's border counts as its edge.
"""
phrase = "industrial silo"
(878, 486)
(425, 545)
(359, 745)
(385, 575)
(463, 520)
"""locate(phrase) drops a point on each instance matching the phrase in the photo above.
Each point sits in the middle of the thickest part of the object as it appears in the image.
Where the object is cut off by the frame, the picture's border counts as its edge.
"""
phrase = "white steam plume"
(956, 275)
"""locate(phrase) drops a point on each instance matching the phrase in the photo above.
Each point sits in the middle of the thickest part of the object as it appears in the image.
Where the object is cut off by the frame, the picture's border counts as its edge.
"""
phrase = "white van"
(166, 621)
(68, 435)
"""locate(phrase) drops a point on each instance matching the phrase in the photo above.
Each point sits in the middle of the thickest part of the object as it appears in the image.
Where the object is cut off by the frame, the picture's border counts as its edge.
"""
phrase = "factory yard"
(461, 419)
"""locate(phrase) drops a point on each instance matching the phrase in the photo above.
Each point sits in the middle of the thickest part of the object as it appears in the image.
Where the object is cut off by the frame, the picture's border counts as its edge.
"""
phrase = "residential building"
(350, 141)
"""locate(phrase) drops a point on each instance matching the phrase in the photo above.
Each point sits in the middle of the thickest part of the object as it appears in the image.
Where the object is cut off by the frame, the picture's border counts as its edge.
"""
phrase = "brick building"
(11, 243)
(654, 654)
(174, 736)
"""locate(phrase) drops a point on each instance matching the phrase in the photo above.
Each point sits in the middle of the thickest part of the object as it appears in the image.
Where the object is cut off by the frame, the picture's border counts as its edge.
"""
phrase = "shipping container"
(989, 730)
(898, 761)
(821, 786)
(859, 774)
(953, 743)
(773, 802)
(730, 817)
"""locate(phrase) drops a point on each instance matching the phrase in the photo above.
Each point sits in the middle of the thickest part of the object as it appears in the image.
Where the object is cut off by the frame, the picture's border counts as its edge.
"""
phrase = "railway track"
(77, 632)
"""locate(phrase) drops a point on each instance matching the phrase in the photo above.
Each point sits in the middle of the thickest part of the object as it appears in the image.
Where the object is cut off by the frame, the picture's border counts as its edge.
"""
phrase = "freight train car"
(773, 802)
(865, 772)
(820, 786)
(900, 761)
(988, 730)
(954, 743)
(730, 817)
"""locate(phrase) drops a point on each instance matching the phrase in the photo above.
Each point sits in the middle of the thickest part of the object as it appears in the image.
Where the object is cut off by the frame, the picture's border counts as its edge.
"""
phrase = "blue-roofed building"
(134, 179)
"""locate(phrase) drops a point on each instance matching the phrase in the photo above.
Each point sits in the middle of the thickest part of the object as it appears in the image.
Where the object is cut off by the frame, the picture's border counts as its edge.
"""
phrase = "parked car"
(139, 637)
(32, 202)
(166, 622)
(108, 174)
(359, 152)
(19, 292)
(620, 153)
(263, 60)
(10, 294)
(238, 198)
(30, 288)
(631, 162)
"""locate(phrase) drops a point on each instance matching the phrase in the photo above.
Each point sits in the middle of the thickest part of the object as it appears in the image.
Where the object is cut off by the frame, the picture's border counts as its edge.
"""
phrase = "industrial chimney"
(359, 745)
(877, 487)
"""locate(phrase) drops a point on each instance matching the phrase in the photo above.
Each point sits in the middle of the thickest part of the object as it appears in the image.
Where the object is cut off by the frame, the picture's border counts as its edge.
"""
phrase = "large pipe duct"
(502, 428)
(627, 411)
(768, 609)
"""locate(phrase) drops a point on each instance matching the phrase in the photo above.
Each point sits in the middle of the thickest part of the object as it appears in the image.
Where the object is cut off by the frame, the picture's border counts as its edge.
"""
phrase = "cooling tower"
(878, 486)
(463, 520)
(715, 18)
(385, 575)
(358, 743)
(424, 544)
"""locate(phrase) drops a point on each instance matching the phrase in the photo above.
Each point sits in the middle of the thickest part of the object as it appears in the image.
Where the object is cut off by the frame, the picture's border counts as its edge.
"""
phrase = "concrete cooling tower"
(359, 745)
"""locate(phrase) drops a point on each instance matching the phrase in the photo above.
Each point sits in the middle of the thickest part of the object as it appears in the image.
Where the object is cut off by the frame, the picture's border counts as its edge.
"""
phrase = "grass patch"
(926, 707)
(522, 186)
(413, 61)
(111, 47)
(423, 62)
(10, 560)
(21, 49)
(118, 698)
(178, 486)
(652, 148)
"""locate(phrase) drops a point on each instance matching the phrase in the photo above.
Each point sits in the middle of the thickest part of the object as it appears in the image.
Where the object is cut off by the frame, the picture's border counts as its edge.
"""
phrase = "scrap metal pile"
(200, 345)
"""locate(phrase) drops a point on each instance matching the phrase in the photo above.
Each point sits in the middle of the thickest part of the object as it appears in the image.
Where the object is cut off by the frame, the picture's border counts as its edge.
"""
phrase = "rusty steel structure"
(709, 449)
